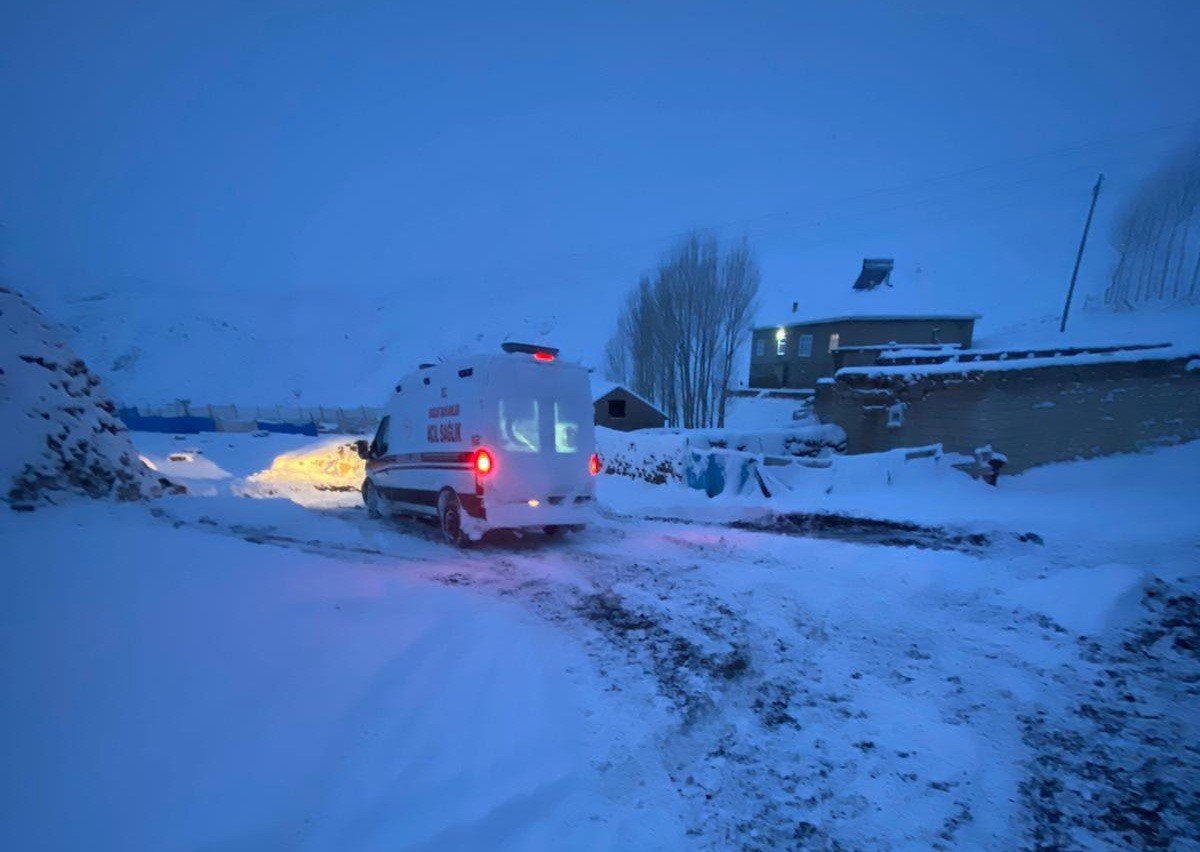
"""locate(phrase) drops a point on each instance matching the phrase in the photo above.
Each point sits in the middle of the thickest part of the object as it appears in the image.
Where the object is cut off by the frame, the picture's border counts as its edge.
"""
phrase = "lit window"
(834, 341)
(804, 346)
(781, 345)
(566, 433)
(760, 347)
(519, 426)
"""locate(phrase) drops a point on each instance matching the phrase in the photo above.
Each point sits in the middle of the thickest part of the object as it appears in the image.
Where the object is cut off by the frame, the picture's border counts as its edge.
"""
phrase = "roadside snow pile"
(61, 431)
(661, 456)
(767, 410)
(650, 455)
(311, 475)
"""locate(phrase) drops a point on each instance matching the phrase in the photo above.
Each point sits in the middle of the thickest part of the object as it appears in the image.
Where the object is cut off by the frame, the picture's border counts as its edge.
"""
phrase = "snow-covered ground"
(1178, 324)
(223, 671)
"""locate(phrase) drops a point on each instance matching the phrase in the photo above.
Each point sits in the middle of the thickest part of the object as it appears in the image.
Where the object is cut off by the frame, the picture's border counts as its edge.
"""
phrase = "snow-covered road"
(252, 673)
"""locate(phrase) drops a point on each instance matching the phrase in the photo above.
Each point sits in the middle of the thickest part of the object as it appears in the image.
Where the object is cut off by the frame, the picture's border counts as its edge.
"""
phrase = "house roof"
(797, 319)
(904, 295)
(601, 389)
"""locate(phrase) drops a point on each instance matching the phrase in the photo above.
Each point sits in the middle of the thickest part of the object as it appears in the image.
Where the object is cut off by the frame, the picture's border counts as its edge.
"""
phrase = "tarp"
(288, 428)
(186, 425)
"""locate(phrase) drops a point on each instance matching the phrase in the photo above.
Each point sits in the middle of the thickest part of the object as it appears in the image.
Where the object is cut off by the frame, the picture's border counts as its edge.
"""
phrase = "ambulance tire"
(557, 530)
(450, 519)
(372, 500)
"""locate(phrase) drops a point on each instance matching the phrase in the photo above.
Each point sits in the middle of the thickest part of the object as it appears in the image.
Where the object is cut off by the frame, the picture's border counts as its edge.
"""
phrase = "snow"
(959, 362)
(1085, 600)
(835, 302)
(746, 413)
(930, 489)
(1176, 324)
(299, 347)
(208, 671)
(213, 692)
(61, 433)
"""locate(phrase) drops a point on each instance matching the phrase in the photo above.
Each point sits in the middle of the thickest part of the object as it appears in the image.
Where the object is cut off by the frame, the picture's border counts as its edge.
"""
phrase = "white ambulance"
(501, 441)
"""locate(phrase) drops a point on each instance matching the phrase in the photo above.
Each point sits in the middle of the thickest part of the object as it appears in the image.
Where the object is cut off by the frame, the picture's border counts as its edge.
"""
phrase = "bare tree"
(1155, 235)
(678, 333)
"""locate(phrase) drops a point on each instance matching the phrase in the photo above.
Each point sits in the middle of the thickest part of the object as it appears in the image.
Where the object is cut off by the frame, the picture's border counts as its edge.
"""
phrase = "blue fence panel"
(309, 429)
(180, 425)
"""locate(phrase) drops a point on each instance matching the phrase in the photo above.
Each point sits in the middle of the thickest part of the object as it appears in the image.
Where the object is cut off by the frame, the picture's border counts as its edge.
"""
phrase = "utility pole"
(1062, 326)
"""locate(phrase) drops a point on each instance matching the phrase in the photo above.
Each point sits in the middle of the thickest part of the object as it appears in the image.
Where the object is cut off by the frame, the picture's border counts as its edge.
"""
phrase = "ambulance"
(490, 441)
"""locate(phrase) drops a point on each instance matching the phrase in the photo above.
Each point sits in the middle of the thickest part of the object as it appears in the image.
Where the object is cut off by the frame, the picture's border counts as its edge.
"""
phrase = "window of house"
(835, 340)
(760, 347)
(804, 346)
(616, 408)
(781, 346)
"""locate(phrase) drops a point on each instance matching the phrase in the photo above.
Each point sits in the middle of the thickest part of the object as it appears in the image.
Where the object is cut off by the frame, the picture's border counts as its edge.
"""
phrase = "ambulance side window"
(379, 444)
(519, 426)
(566, 432)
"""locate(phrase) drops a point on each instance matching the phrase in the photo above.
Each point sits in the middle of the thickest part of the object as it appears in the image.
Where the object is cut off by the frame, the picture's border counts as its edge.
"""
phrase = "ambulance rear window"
(519, 426)
(566, 432)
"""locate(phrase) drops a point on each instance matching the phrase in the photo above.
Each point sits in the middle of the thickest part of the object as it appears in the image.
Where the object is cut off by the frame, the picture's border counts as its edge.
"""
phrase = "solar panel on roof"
(875, 271)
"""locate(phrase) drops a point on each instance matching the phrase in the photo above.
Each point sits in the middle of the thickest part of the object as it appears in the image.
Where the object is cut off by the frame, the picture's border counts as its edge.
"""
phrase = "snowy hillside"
(306, 348)
(60, 429)
(1178, 324)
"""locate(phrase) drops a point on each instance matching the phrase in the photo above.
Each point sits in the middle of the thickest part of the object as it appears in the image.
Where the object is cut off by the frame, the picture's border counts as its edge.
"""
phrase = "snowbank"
(61, 430)
(767, 410)
(195, 691)
(1098, 500)
(659, 456)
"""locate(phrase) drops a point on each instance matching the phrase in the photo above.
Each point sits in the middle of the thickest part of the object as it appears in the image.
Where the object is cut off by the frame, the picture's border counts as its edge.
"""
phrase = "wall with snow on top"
(1035, 411)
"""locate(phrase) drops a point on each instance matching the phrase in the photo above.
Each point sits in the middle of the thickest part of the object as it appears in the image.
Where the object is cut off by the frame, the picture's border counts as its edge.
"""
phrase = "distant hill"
(267, 350)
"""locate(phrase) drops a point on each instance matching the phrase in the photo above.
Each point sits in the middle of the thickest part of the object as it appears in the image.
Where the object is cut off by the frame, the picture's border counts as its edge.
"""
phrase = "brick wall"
(1033, 415)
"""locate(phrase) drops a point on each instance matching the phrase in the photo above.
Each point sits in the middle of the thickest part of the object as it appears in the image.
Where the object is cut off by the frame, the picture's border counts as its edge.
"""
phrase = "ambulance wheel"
(450, 518)
(372, 500)
(557, 530)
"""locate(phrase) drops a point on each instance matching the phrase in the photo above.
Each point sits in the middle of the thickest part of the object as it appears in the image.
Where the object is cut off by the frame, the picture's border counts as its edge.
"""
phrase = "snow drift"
(61, 430)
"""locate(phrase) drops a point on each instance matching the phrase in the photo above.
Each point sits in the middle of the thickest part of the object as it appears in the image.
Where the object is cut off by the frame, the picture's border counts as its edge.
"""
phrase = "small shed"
(617, 407)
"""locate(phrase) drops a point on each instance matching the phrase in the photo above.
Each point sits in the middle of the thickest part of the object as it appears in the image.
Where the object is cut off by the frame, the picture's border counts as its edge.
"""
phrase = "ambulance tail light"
(543, 356)
(482, 462)
(594, 464)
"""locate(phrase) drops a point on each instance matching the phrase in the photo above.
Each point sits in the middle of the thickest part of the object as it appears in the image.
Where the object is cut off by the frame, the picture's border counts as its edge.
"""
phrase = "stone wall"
(1034, 415)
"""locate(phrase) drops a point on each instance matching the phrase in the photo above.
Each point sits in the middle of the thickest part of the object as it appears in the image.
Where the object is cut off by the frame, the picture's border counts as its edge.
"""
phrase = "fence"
(241, 418)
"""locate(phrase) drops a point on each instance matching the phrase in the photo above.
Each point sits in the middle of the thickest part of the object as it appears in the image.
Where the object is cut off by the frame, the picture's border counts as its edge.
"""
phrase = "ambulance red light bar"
(482, 462)
(545, 354)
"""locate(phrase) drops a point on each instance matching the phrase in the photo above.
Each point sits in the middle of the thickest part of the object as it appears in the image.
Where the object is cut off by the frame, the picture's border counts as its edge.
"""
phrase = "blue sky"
(505, 161)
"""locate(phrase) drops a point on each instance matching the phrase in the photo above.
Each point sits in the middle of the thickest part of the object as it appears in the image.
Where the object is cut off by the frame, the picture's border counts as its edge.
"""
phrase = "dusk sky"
(534, 159)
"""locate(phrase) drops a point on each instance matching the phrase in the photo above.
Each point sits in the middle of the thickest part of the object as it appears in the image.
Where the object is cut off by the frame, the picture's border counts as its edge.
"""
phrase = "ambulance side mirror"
(363, 449)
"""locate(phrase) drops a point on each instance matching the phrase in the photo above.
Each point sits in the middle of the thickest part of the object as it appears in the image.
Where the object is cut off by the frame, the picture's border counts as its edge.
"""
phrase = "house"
(869, 315)
(617, 407)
